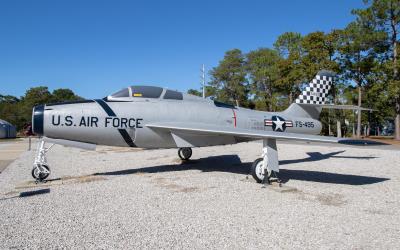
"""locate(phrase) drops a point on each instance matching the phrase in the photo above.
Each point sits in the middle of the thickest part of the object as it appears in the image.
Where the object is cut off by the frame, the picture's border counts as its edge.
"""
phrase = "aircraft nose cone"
(37, 119)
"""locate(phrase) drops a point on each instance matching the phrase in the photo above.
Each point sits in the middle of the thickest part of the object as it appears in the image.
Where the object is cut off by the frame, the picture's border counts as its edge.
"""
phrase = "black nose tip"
(37, 119)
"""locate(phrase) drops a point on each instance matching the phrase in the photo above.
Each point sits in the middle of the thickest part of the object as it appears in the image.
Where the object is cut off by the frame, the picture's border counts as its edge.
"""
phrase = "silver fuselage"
(123, 123)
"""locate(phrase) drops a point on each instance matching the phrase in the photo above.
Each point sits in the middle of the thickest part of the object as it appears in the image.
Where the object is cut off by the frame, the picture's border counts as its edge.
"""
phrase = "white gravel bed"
(344, 198)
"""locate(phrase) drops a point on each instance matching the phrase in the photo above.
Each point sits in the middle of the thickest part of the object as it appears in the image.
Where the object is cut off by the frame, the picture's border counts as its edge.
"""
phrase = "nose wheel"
(185, 153)
(40, 172)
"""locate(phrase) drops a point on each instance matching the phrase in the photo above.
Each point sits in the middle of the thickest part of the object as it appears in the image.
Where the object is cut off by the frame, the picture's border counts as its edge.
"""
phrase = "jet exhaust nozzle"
(37, 119)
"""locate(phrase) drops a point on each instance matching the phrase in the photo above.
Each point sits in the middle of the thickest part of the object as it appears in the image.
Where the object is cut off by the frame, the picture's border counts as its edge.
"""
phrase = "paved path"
(10, 149)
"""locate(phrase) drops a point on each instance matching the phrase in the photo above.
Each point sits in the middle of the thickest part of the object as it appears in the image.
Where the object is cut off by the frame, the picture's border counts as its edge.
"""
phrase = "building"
(7, 130)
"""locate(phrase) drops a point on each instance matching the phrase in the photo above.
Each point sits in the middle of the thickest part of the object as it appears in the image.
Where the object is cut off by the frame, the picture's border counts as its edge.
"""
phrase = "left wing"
(196, 134)
(196, 129)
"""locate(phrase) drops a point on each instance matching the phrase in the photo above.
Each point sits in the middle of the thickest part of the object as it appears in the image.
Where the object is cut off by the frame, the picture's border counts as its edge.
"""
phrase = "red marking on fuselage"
(234, 117)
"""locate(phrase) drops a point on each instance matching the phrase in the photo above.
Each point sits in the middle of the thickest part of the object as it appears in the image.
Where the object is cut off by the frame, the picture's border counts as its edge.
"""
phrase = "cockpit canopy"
(137, 93)
(130, 93)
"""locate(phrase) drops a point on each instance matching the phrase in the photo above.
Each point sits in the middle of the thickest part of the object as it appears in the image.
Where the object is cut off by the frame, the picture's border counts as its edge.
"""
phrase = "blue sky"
(98, 47)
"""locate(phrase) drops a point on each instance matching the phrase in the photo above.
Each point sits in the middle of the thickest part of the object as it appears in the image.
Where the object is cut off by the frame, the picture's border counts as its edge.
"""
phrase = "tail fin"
(308, 104)
(318, 89)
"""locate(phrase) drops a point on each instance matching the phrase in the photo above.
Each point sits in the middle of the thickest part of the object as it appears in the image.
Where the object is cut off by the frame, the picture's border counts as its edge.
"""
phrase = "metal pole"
(203, 78)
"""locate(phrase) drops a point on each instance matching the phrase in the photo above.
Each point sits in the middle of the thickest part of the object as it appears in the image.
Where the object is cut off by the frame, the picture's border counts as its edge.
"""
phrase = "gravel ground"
(119, 198)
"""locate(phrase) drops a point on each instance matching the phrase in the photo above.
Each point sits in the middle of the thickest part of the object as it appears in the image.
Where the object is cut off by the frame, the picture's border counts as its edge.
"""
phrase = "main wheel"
(257, 170)
(41, 174)
(185, 153)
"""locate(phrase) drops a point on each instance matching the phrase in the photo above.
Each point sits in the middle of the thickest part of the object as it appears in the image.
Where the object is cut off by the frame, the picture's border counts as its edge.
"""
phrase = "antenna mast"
(203, 80)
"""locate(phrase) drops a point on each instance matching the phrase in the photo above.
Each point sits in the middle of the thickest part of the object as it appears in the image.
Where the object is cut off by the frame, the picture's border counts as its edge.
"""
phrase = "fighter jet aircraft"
(155, 117)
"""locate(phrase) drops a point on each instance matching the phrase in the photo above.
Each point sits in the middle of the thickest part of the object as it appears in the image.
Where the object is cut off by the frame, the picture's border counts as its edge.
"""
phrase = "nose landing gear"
(185, 153)
(40, 169)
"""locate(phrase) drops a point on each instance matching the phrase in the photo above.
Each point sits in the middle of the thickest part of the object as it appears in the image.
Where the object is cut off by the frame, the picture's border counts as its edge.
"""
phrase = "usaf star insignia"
(278, 124)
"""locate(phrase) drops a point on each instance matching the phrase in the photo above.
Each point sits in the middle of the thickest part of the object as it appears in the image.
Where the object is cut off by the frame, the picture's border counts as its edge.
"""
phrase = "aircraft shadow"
(233, 164)
(28, 194)
(317, 156)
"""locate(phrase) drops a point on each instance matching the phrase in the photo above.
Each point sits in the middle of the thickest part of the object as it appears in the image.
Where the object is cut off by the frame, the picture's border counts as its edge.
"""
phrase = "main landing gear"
(185, 153)
(265, 170)
(41, 169)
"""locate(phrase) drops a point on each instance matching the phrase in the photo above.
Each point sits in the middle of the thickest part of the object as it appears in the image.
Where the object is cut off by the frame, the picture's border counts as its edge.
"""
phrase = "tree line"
(364, 55)
(18, 111)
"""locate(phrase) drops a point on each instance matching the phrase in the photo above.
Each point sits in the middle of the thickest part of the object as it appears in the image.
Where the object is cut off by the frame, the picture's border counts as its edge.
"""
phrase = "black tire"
(41, 176)
(185, 153)
(255, 171)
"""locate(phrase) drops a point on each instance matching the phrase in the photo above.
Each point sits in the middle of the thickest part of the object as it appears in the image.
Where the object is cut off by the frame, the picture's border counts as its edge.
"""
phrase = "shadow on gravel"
(222, 163)
(34, 192)
(28, 194)
(325, 177)
(317, 156)
(233, 164)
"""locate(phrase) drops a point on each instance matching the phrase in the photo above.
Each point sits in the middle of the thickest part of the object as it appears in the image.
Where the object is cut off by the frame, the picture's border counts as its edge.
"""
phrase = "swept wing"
(182, 132)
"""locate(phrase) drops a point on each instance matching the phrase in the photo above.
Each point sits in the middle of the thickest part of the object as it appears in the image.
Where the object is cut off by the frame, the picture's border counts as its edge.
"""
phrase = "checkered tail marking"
(317, 91)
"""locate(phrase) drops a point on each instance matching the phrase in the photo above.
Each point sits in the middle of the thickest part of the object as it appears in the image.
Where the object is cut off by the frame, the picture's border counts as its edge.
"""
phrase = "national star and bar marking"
(278, 123)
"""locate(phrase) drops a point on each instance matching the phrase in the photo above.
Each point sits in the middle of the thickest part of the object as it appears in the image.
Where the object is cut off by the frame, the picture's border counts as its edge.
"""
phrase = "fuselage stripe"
(106, 108)
(125, 135)
(234, 117)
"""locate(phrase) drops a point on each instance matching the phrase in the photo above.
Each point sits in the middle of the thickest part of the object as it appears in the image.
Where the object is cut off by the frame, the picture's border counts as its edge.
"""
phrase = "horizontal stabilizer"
(332, 106)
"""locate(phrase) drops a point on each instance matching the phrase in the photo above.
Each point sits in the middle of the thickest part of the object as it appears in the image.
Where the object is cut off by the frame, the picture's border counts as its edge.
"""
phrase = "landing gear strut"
(265, 170)
(185, 153)
(41, 169)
